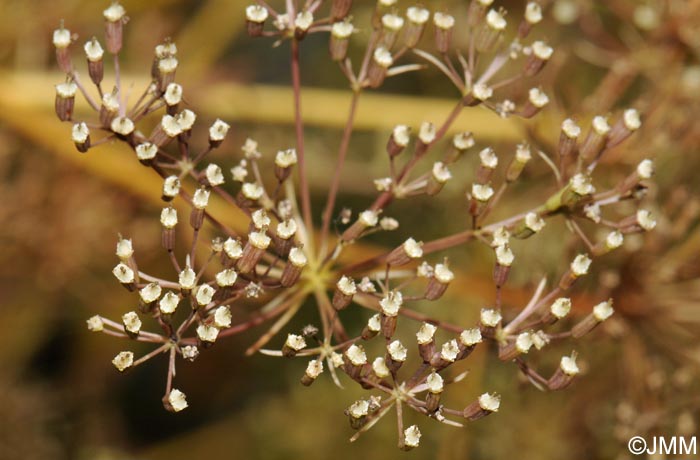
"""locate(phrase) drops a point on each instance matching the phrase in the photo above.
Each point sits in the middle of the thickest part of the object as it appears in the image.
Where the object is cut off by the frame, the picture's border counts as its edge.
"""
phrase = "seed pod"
(461, 142)
(477, 11)
(379, 64)
(398, 140)
(65, 100)
(390, 306)
(345, 289)
(217, 133)
(391, 25)
(490, 31)
(533, 15)
(302, 23)
(570, 132)
(340, 39)
(468, 340)
(417, 18)
(115, 17)
(447, 355)
(625, 126)
(409, 250)
(109, 108)
(596, 139)
(366, 219)
(441, 279)
(253, 251)
(313, 370)
(578, 268)
(535, 102)
(479, 198)
(487, 166)
(200, 199)
(516, 166)
(565, 373)
(166, 72)
(435, 386)
(292, 270)
(540, 53)
(255, 19)
(94, 54)
(62, 39)
(485, 405)
(426, 341)
(520, 346)
(396, 354)
(354, 360)
(601, 312)
(284, 160)
(146, 152)
(168, 220)
(372, 327)
(444, 24)
(489, 320)
(81, 137)
(172, 97)
(293, 345)
(357, 414)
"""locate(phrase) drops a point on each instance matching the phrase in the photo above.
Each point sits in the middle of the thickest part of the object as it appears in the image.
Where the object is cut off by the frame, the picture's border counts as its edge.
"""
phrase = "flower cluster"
(281, 260)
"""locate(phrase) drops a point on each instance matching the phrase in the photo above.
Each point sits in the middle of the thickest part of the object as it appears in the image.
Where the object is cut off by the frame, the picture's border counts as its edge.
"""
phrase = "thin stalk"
(299, 126)
(342, 153)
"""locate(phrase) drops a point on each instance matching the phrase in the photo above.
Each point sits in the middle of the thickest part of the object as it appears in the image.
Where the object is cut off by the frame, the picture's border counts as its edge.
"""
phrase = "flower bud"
(533, 15)
(444, 24)
(232, 252)
(390, 305)
(190, 353)
(168, 220)
(448, 354)
(468, 340)
(391, 25)
(504, 259)
(435, 386)
(109, 108)
(479, 198)
(570, 133)
(354, 360)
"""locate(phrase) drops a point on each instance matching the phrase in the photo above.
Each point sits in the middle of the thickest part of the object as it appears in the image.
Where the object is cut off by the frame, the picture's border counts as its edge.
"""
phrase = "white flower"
(449, 351)
(603, 311)
(490, 317)
(218, 130)
(412, 436)
(347, 286)
(391, 303)
(580, 265)
(286, 158)
(214, 175)
(561, 307)
(207, 333)
(295, 342)
(443, 21)
(187, 278)
(177, 400)
(256, 13)
(123, 360)
(132, 322)
(168, 304)
(356, 355)
(204, 294)
(495, 20)
(470, 337)
(95, 324)
(435, 383)
(150, 292)
(397, 351)
(380, 368)
(226, 278)
(124, 248)
(646, 220)
(168, 217)
(489, 402)
(426, 333)
(123, 273)
(568, 365)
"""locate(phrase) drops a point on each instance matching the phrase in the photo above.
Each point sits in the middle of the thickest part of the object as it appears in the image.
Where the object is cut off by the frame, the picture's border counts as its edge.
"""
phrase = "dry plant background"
(60, 395)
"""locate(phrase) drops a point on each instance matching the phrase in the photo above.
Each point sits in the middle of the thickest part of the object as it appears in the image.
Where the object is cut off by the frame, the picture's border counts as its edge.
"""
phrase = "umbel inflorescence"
(283, 260)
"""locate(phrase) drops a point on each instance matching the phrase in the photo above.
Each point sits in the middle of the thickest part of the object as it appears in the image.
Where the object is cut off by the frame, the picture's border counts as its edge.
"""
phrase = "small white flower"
(534, 222)
(533, 13)
(600, 125)
(214, 175)
(200, 199)
(256, 13)
(449, 351)
(426, 333)
(482, 192)
(187, 278)
(391, 303)
(62, 38)
(412, 436)
(427, 132)
(259, 240)
(392, 22)
(538, 98)
(443, 274)
(417, 15)
(368, 218)
(631, 119)
(295, 342)
(524, 342)
(581, 185)
(204, 294)
(226, 278)
(488, 158)
(568, 365)
(218, 130)
(342, 30)
(297, 257)
(388, 223)
(347, 286)
(435, 383)
(382, 57)
(123, 273)
(146, 151)
(207, 333)
(356, 355)
(123, 360)
(561, 307)
(490, 317)
(190, 352)
(646, 220)
(114, 13)
(482, 92)
(168, 217)
(603, 311)
(168, 304)
(132, 322)
(124, 248)
(286, 158)
(581, 264)
(383, 184)
(645, 169)
(470, 337)
(252, 190)
(122, 125)
(443, 21)
(233, 248)
(80, 133)
(95, 324)
(614, 240)
(177, 400)
(173, 94)
(380, 368)
(374, 323)
(542, 51)
(397, 351)
(314, 368)
(570, 129)
(304, 20)
(489, 402)
(504, 256)
(150, 292)
(495, 20)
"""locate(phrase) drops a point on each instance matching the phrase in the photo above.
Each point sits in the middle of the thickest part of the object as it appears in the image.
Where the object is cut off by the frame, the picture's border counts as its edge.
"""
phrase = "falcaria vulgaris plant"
(284, 261)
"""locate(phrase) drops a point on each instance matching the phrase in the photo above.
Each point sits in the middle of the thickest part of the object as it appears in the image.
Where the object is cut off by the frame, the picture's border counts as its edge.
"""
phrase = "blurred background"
(61, 211)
